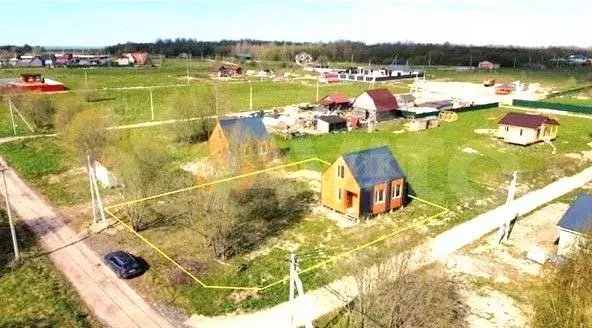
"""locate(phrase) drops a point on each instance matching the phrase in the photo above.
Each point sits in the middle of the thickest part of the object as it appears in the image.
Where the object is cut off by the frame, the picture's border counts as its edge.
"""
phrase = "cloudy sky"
(501, 22)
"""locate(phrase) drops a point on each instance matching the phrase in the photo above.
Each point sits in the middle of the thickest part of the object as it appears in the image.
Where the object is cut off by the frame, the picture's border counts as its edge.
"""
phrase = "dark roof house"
(365, 182)
(527, 120)
(245, 128)
(372, 166)
(233, 138)
(578, 217)
(575, 227)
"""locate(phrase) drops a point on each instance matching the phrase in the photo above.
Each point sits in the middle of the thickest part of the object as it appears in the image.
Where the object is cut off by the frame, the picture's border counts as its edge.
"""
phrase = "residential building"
(373, 73)
(526, 129)
(364, 183)
(376, 105)
(575, 227)
(240, 138)
(30, 83)
(487, 65)
(336, 101)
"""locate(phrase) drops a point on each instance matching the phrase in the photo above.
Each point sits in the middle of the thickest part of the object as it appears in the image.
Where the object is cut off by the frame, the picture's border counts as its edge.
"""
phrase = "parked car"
(124, 264)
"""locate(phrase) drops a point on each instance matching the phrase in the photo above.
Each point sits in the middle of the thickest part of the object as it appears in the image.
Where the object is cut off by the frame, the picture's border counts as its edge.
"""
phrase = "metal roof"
(244, 129)
(578, 217)
(373, 166)
(333, 119)
(383, 99)
(527, 120)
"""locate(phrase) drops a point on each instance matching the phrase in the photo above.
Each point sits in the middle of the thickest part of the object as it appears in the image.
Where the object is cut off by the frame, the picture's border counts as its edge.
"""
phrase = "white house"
(380, 73)
(575, 227)
(526, 129)
(106, 178)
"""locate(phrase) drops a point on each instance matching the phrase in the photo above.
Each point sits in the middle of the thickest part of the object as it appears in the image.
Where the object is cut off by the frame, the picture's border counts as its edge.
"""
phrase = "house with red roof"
(376, 105)
(526, 129)
(335, 101)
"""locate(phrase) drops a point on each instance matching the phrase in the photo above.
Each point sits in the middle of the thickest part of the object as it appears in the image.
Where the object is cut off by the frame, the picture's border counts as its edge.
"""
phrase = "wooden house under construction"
(240, 138)
(363, 183)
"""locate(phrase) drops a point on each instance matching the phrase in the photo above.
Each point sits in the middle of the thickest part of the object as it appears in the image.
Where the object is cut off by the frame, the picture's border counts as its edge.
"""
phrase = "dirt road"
(114, 302)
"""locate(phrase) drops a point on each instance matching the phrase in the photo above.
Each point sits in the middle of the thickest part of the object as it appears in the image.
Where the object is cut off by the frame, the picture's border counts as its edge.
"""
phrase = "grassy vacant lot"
(451, 165)
(133, 105)
(35, 294)
(583, 98)
(563, 79)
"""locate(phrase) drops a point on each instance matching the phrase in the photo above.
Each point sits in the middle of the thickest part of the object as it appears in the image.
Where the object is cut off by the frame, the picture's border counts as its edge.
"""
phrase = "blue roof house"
(239, 138)
(575, 227)
(364, 183)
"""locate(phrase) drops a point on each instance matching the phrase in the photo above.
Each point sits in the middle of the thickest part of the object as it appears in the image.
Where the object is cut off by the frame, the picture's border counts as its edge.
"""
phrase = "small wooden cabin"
(238, 138)
(363, 183)
(526, 129)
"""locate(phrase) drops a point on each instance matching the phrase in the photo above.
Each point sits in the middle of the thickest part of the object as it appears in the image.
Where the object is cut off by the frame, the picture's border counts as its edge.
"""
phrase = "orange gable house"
(239, 138)
(363, 183)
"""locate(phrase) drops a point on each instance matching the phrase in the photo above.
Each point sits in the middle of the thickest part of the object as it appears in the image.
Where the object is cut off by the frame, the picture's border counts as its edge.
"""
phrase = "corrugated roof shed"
(383, 99)
(372, 166)
(578, 217)
(527, 120)
(332, 119)
(244, 129)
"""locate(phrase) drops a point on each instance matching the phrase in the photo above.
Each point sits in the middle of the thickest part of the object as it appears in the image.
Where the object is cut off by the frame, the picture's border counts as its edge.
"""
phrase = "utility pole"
(317, 89)
(99, 221)
(11, 116)
(151, 105)
(297, 283)
(514, 61)
(17, 255)
(470, 60)
(250, 95)
(430, 60)
(504, 231)
(188, 68)
(217, 95)
(85, 79)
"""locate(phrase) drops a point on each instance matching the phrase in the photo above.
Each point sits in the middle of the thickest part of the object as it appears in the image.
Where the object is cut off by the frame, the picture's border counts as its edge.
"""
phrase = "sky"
(100, 23)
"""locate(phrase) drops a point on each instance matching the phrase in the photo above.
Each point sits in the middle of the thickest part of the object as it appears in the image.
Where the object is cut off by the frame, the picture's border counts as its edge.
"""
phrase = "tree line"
(346, 51)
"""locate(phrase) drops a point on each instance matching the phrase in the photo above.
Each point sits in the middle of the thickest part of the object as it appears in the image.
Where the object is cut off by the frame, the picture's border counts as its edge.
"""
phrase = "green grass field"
(35, 293)
(436, 162)
(583, 98)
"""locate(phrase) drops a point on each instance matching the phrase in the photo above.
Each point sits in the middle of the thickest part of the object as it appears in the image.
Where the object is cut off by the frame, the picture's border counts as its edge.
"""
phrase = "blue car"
(124, 264)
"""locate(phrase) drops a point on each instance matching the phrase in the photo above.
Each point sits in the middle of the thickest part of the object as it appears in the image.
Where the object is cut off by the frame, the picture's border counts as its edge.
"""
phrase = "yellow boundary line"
(285, 278)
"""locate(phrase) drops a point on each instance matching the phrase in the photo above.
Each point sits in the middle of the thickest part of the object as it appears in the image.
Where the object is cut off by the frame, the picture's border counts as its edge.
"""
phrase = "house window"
(396, 191)
(263, 148)
(339, 194)
(379, 196)
(521, 131)
(507, 128)
(340, 171)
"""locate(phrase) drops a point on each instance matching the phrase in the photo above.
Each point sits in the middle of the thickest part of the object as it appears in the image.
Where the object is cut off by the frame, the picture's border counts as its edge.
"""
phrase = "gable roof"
(372, 166)
(335, 98)
(245, 128)
(527, 120)
(383, 99)
(578, 217)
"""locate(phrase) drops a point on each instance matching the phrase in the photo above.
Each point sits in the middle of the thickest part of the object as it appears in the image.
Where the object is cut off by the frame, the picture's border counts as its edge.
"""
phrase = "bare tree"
(39, 109)
(200, 108)
(564, 298)
(140, 161)
(392, 295)
(84, 133)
